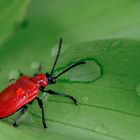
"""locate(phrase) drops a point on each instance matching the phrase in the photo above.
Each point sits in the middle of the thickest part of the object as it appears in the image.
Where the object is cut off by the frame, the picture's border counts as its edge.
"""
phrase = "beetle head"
(51, 79)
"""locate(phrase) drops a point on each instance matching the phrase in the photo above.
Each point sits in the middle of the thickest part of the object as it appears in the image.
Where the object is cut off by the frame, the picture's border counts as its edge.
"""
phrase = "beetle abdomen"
(17, 95)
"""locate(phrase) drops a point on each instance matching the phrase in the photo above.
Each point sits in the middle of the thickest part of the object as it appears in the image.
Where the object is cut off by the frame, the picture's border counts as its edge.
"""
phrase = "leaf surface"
(102, 31)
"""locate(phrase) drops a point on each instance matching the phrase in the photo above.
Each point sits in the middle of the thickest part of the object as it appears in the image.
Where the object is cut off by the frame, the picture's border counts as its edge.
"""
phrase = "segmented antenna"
(57, 56)
(70, 67)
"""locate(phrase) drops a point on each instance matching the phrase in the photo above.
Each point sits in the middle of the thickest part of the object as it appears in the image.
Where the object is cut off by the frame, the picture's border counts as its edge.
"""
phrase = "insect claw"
(76, 102)
(45, 126)
(15, 125)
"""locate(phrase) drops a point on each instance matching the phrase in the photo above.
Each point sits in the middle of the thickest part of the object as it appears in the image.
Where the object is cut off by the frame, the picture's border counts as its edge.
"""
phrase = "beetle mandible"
(20, 94)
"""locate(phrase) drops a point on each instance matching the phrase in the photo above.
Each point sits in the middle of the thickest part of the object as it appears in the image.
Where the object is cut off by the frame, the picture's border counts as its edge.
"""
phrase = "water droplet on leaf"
(85, 98)
(14, 74)
(30, 119)
(35, 65)
(44, 96)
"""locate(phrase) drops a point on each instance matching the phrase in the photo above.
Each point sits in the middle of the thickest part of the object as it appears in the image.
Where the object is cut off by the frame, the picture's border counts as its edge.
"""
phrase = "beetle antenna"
(70, 67)
(57, 56)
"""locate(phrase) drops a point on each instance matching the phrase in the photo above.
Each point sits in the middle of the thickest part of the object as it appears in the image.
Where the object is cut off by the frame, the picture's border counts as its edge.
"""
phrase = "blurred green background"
(103, 33)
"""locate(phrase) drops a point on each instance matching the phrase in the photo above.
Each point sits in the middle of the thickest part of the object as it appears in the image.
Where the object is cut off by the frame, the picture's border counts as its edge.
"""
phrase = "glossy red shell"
(23, 91)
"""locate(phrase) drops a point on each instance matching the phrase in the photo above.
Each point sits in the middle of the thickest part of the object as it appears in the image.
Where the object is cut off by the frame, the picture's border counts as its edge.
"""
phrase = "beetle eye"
(51, 80)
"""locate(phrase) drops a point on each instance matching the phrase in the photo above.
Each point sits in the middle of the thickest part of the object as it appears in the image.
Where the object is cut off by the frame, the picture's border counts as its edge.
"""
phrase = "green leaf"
(109, 106)
(12, 14)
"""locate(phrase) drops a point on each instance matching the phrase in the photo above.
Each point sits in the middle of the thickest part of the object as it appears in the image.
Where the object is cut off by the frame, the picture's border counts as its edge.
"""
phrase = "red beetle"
(26, 89)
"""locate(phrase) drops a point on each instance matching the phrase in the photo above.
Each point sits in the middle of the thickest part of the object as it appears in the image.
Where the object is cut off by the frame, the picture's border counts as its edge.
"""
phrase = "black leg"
(24, 109)
(39, 67)
(40, 103)
(61, 94)
(12, 81)
(20, 73)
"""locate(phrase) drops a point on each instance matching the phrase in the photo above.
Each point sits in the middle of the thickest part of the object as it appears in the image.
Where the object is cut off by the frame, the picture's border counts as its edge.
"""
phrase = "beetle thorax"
(40, 80)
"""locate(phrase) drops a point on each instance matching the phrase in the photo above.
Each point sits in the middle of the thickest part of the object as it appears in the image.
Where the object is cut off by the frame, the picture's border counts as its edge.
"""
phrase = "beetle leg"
(12, 81)
(61, 94)
(23, 110)
(39, 69)
(20, 73)
(40, 103)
